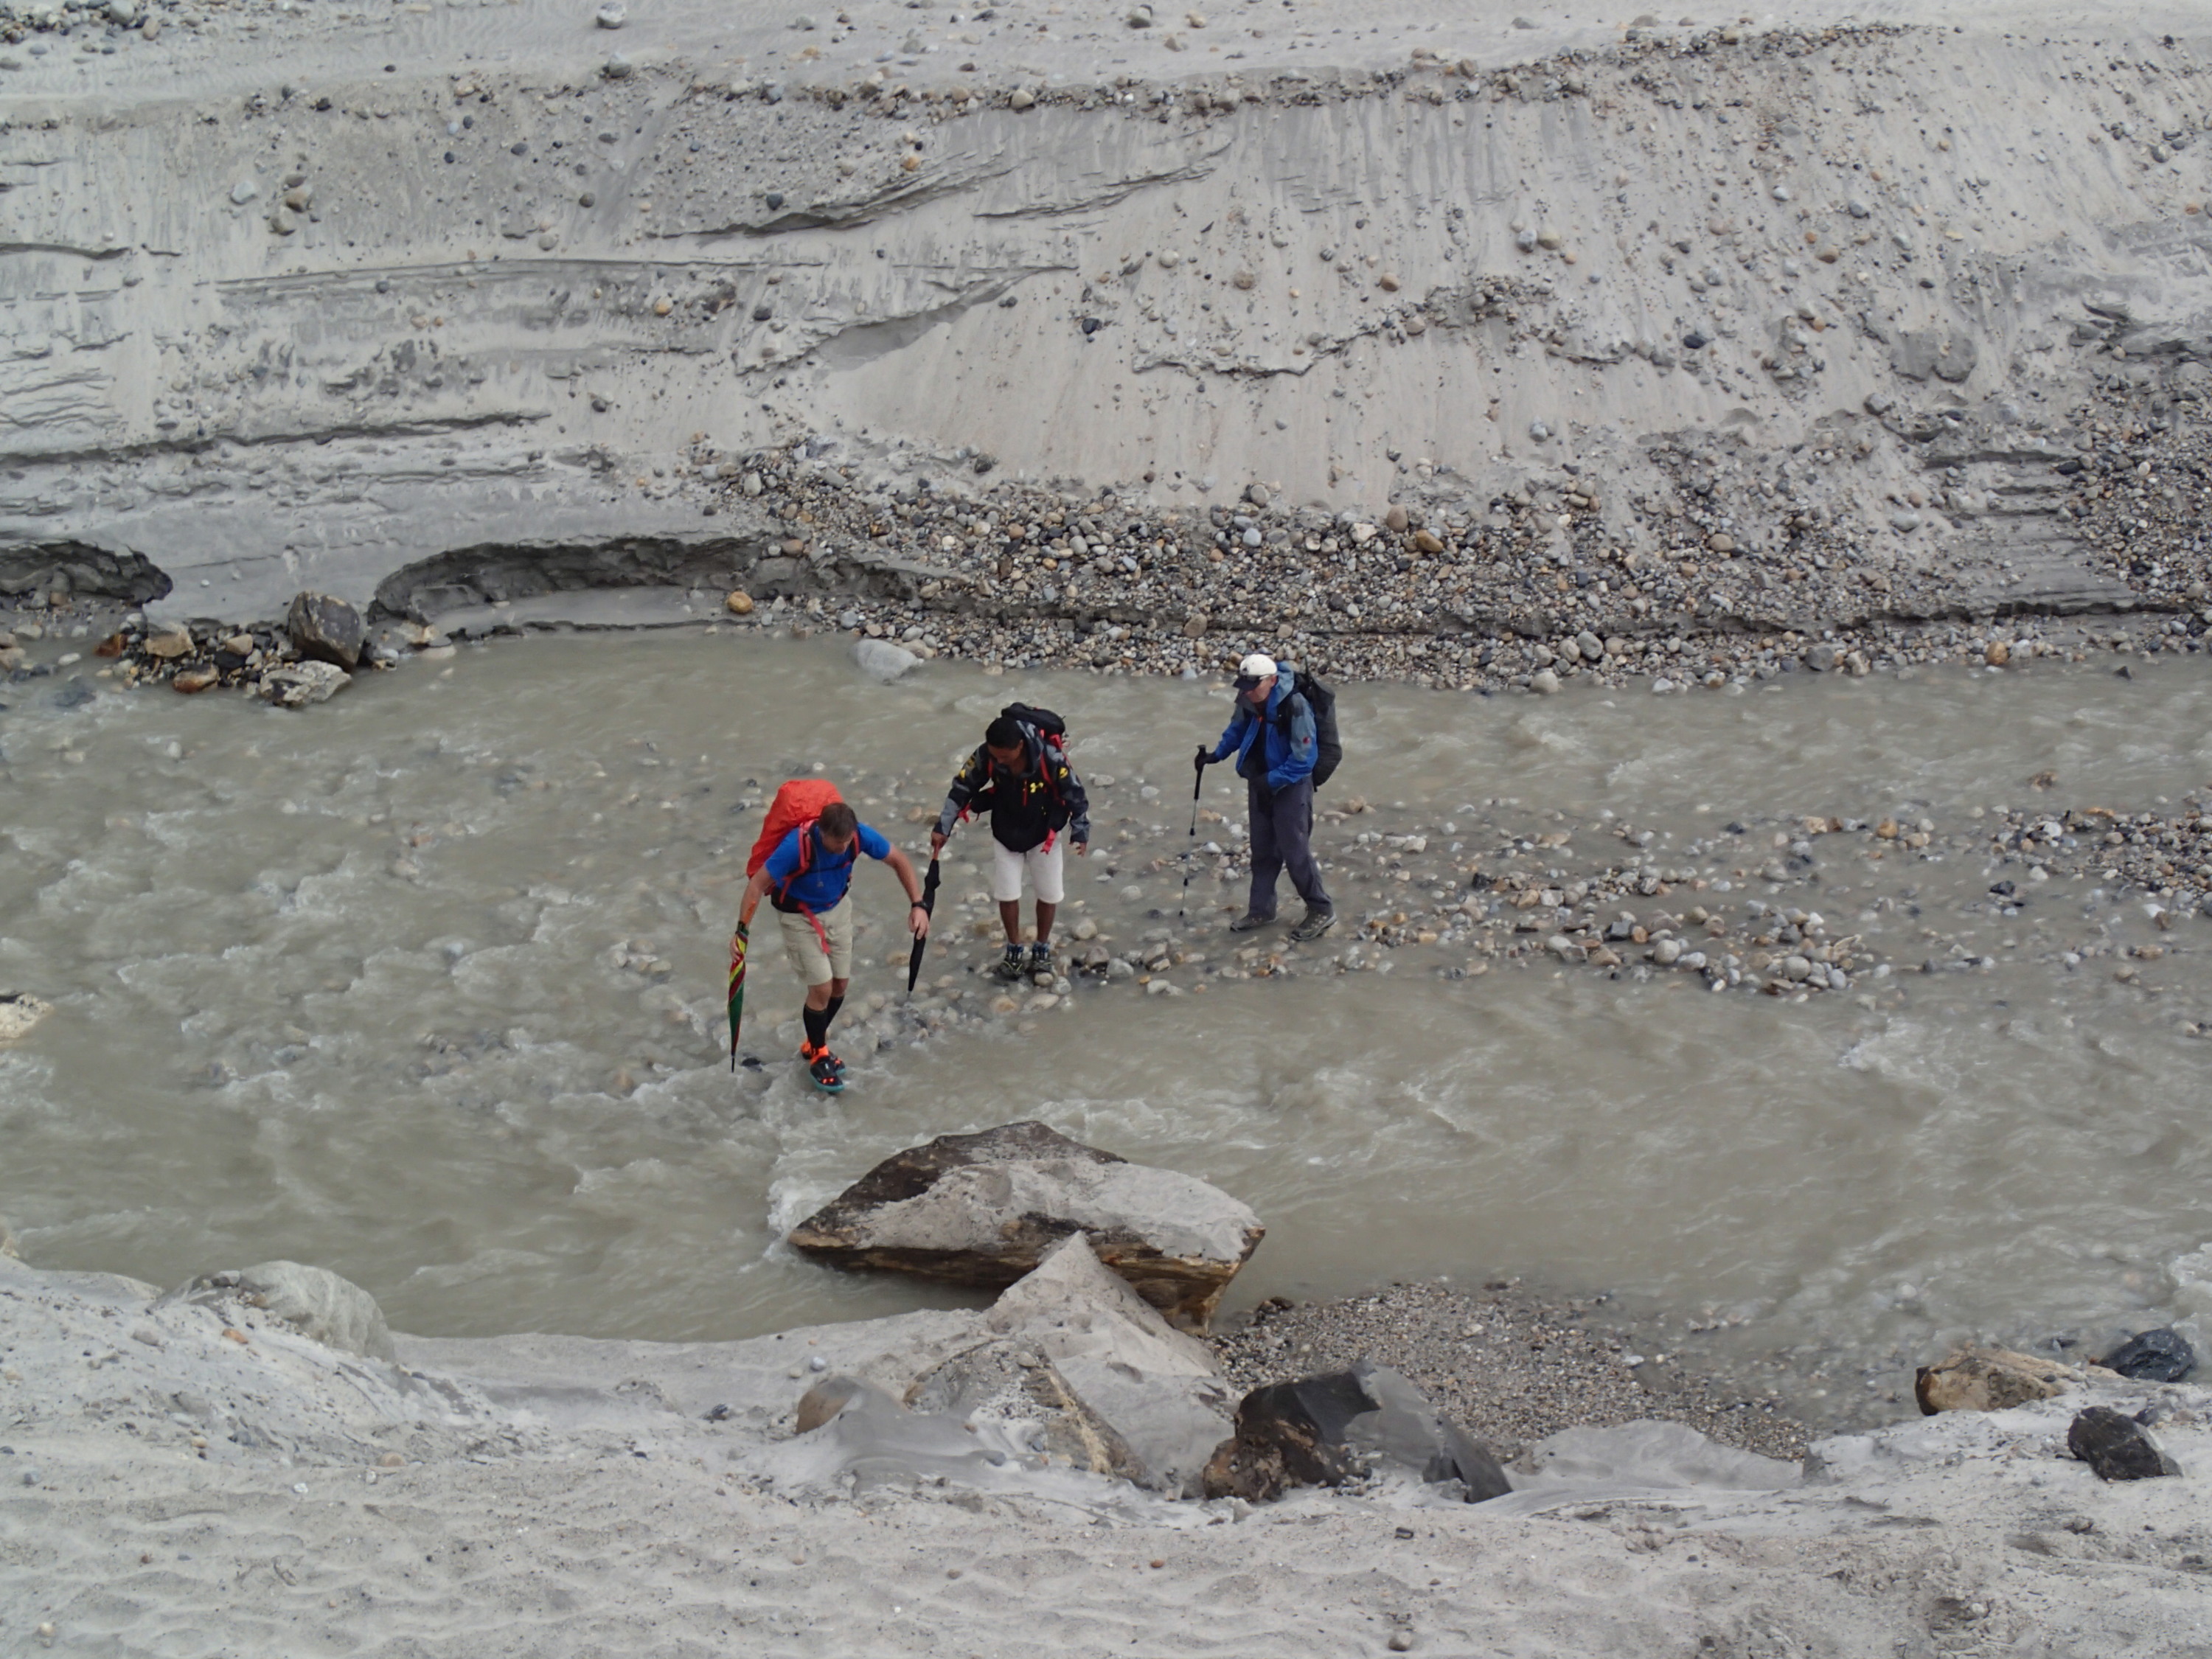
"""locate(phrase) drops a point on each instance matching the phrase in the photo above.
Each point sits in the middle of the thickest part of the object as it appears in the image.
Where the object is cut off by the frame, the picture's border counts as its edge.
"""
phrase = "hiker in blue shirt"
(807, 880)
(1276, 744)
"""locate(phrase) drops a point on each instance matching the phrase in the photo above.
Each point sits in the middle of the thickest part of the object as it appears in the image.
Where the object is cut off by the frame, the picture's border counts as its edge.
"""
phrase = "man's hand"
(1083, 849)
(1204, 757)
(936, 842)
(920, 920)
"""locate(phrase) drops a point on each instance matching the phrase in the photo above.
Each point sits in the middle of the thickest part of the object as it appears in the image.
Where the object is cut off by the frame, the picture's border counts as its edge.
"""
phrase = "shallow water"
(425, 985)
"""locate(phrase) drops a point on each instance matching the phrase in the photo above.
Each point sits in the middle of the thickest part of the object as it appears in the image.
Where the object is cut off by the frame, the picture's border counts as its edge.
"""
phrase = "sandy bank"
(550, 1496)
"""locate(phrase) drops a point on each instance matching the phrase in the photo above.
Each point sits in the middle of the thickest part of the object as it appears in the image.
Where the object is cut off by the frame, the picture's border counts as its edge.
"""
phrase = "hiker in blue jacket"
(1274, 738)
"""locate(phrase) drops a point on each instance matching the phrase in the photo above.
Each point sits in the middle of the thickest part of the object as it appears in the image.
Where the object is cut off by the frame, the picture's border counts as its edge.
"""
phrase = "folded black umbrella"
(928, 908)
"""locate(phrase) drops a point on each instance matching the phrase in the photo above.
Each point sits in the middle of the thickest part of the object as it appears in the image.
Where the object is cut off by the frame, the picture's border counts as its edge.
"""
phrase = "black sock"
(818, 1026)
(829, 1014)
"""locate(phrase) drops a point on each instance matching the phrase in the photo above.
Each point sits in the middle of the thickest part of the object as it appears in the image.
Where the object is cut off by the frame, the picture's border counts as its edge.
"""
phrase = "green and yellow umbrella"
(737, 942)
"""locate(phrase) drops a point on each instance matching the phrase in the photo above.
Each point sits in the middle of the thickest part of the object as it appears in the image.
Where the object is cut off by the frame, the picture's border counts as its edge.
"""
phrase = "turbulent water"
(424, 985)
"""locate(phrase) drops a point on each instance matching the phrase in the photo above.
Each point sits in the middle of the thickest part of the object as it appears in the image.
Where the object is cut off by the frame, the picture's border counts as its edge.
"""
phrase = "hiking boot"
(1009, 967)
(824, 1067)
(1249, 921)
(1043, 969)
(1316, 923)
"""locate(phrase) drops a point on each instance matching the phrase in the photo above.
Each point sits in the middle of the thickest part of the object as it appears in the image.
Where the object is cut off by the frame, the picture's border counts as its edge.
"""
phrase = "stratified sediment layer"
(1838, 316)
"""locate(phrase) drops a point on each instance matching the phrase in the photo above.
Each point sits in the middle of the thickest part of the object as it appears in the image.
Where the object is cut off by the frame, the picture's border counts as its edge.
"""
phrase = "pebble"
(612, 16)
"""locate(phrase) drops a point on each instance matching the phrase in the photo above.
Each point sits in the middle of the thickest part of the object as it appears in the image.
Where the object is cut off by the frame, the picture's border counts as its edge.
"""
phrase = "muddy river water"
(425, 985)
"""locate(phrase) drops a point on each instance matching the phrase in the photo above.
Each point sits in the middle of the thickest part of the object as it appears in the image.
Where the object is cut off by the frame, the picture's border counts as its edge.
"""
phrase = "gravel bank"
(1511, 1367)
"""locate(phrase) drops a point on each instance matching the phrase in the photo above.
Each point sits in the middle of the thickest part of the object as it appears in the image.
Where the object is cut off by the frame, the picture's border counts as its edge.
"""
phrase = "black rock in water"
(2117, 1448)
(326, 629)
(2160, 1355)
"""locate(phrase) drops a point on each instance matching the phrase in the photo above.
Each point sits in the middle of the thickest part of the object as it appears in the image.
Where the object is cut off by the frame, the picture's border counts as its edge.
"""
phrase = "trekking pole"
(1197, 788)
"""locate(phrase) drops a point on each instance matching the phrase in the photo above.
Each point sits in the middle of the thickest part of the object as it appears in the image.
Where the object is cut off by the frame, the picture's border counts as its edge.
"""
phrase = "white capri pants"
(1043, 868)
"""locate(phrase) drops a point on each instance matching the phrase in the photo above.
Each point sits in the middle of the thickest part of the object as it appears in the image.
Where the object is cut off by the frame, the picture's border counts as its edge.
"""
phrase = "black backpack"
(1047, 723)
(1328, 748)
(1052, 733)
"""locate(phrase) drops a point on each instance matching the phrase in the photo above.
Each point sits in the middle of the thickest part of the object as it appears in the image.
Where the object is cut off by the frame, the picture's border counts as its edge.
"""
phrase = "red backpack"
(797, 804)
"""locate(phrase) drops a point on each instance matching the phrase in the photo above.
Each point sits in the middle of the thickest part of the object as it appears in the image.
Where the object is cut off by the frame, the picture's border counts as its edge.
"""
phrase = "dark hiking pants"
(1282, 836)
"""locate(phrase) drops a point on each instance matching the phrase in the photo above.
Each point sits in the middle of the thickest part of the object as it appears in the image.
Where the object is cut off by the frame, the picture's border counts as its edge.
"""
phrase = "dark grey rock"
(2117, 1448)
(2160, 1355)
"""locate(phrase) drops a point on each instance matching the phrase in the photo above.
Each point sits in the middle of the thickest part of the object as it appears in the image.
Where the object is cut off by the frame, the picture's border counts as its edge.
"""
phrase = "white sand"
(564, 1497)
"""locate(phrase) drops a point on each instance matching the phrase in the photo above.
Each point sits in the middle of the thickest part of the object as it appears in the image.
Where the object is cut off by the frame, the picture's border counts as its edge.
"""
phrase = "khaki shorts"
(1043, 868)
(804, 946)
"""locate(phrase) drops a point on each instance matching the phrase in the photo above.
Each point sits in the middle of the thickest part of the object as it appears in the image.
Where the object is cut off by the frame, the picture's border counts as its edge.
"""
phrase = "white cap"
(1258, 665)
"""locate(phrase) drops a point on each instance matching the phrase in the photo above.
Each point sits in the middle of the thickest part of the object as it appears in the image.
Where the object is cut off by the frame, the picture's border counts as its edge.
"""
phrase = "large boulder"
(1072, 1368)
(1323, 1431)
(1125, 1393)
(313, 1300)
(986, 1209)
(326, 629)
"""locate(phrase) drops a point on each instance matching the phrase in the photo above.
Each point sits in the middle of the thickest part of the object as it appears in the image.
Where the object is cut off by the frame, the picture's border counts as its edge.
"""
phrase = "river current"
(424, 985)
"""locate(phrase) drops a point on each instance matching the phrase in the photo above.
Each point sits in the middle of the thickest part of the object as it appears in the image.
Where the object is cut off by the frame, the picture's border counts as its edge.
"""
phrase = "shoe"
(1008, 967)
(1316, 923)
(1041, 969)
(1249, 922)
(824, 1067)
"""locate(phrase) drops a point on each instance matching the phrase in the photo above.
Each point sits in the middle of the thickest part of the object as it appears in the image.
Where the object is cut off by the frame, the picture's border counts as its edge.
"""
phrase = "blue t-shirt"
(828, 874)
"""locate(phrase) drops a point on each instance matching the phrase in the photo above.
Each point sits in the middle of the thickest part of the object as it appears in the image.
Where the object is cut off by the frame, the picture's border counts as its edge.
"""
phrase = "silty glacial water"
(425, 986)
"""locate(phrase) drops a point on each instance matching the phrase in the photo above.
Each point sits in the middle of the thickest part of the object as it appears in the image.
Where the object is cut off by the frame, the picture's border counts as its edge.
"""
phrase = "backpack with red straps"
(797, 804)
(1052, 735)
(1049, 726)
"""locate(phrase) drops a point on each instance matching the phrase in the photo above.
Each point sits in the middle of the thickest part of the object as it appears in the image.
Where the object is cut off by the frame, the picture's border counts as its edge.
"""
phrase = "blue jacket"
(821, 884)
(1286, 755)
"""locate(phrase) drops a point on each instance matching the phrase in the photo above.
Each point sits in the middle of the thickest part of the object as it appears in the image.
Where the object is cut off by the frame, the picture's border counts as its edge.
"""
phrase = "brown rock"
(740, 603)
(1194, 625)
(1428, 541)
(195, 679)
(1998, 654)
(1972, 1379)
(985, 1209)
(177, 643)
(325, 628)
(1394, 518)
